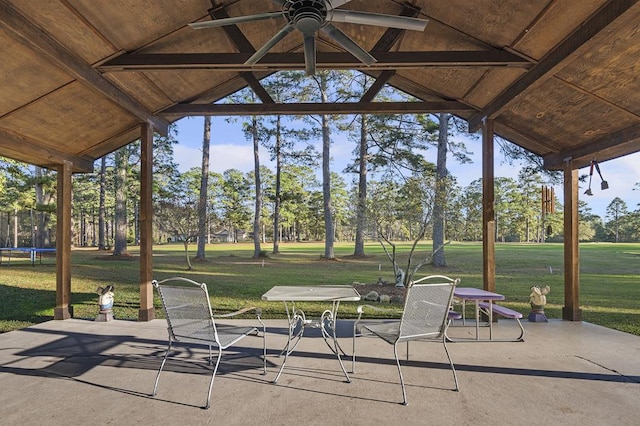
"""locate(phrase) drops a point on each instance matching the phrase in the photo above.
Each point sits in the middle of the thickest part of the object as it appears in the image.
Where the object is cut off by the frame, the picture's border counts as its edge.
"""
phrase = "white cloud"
(221, 157)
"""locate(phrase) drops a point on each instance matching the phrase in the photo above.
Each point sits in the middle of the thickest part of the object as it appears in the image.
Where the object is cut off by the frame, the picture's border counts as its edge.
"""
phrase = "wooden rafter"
(584, 153)
(242, 44)
(27, 34)
(509, 133)
(570, 47)
(35, 152)
(385, 43)
(382, 79)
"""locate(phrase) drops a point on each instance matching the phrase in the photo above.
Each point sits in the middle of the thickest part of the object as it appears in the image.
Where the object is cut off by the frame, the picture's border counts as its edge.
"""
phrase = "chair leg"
(353, 350)
(164, 360)
(264, 349)
(404, 393)
(455, 377)
(213, 376)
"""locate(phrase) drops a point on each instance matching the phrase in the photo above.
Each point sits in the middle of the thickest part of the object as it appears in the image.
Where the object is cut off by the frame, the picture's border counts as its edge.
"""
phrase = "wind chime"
(603, 184)
(548, 207)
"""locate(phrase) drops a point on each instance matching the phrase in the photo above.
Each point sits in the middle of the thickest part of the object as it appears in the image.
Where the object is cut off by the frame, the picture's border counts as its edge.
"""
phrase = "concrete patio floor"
(78, 372)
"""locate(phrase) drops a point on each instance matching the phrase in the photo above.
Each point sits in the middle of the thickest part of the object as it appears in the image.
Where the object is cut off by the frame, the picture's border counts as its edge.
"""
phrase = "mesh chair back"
(188, 311)
(425, 310)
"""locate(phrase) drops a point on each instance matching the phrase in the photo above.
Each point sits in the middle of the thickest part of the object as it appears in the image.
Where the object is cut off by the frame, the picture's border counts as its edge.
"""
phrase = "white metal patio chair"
(190, 319)
(425, 317)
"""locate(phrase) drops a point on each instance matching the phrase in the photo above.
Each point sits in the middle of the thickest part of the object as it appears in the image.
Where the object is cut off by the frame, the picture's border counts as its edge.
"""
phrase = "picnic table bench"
(504, 312)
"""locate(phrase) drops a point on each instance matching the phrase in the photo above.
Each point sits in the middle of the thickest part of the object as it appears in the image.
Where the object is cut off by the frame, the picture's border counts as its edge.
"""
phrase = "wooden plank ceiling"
(559, 77)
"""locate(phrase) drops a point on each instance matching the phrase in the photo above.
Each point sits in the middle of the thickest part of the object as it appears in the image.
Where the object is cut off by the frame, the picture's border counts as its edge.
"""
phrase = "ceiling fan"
(311, 16)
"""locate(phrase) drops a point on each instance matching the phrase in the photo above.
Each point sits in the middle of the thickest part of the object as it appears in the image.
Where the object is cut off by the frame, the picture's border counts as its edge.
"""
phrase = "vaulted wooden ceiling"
(560, 78)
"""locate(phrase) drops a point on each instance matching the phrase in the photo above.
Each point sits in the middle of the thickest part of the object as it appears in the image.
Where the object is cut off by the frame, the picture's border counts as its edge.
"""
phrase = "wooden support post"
(571, 310)
(488, 211)
(63, 309)
(146, 312)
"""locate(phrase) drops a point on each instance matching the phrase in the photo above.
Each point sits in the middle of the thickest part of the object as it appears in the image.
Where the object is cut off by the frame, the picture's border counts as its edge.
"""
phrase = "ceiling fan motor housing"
(307, 15)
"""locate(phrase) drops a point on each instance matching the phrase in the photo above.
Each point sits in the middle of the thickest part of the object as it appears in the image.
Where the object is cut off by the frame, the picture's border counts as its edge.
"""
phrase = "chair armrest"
(240, 312)
(244, 310)
(361, 309)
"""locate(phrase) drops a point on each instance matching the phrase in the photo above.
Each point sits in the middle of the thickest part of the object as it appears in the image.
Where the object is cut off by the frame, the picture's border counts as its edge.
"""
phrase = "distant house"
(226, 236)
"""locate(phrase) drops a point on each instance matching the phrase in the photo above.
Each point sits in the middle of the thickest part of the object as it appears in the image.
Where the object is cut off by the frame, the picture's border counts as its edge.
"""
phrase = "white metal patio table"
(298, 320)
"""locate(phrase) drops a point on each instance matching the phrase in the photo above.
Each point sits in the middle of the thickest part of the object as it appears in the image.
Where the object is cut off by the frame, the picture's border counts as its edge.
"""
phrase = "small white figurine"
(537, 299)
(538, 296)
(106, 297)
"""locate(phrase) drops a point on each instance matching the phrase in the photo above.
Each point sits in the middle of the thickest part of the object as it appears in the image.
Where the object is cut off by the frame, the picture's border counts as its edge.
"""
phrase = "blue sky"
(230, 149)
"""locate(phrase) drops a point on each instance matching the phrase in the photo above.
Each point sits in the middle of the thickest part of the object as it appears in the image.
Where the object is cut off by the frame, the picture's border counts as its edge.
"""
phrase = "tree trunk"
(361, 208)
(326, 190)
(276, 208)
(15, 227)
(256, 173)
(186, 253)
(41, 227)
(204, 184)
(122, 162)
(102, 208)
(441, 192)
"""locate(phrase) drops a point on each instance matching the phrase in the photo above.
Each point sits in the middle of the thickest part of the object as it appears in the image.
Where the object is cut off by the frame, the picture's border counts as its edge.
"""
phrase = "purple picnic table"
(477, 295)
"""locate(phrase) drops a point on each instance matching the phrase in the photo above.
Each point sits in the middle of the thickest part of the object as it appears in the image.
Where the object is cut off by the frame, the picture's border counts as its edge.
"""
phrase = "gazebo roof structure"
(82, 78)
(558, 77)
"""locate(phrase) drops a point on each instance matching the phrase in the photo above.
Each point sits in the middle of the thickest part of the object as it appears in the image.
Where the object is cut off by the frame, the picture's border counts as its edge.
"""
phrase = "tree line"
(396, 186)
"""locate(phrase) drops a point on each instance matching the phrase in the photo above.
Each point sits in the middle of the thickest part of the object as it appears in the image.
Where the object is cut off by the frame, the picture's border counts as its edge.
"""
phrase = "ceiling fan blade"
(351, 46)
(268, 45)
(338, 3)
(377, 19)
(235, 20)
(310, 54)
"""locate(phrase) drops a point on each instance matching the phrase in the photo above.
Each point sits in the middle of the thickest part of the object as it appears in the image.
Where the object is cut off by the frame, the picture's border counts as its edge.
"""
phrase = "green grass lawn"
(609, 278)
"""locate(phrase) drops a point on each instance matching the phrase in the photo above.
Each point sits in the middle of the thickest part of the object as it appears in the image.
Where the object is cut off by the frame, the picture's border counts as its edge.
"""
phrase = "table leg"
(490, 319)
(464, 305)
(332, 317)
(477, 320)
(294, 317)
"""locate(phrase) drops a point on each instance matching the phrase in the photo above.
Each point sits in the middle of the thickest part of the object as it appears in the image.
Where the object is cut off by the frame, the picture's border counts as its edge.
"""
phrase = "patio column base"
(63, 313)
(571, 314)
(146, 314)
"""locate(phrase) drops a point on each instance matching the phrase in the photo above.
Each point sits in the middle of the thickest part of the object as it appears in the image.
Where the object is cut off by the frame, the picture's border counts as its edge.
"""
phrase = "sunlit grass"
(609, 278)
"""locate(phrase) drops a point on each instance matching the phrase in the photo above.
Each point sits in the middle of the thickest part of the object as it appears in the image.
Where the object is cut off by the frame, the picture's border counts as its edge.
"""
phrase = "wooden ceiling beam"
(242, 44)
(377, 85)
(605, 147)
(315, 108)
(384, 44)
(258, 88)
(32, 37)
(571, 47)
(324, 60)
(532, 144)
(25, 149)
(392, 35)
(234, 34)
